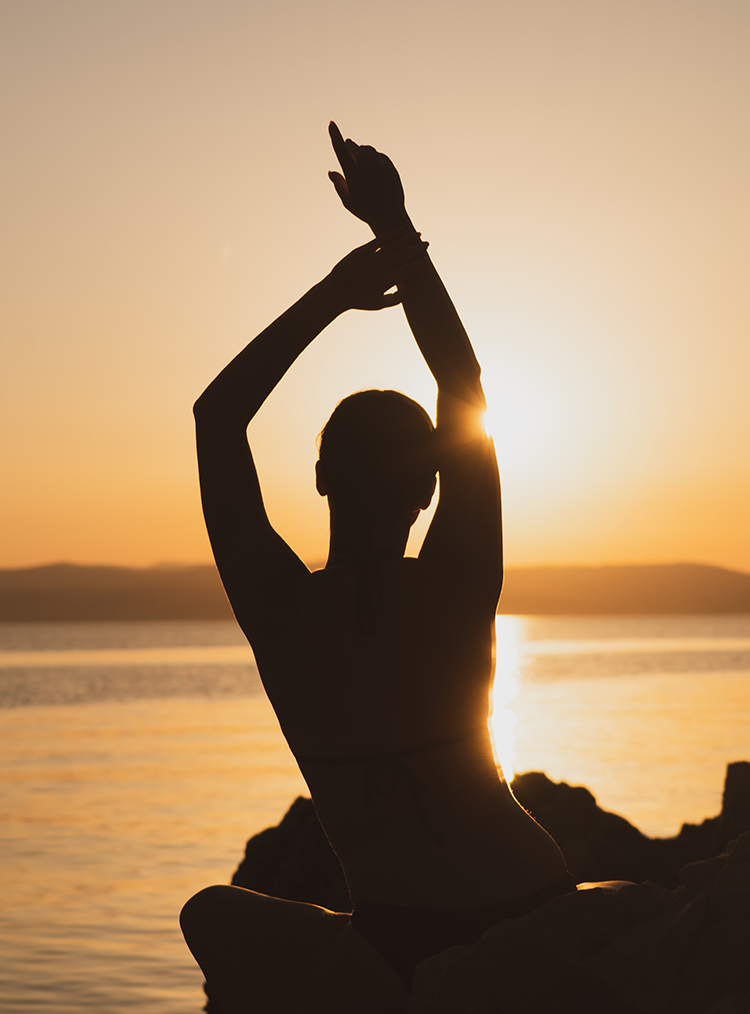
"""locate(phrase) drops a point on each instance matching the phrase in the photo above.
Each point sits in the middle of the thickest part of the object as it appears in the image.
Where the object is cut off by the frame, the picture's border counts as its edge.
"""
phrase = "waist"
(480, 846)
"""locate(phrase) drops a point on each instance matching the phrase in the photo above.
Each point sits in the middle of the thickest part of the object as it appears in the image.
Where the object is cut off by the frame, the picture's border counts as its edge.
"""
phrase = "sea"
(137, 758)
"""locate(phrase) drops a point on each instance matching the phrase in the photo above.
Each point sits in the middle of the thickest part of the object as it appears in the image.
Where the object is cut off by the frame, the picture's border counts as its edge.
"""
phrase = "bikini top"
(385, 769)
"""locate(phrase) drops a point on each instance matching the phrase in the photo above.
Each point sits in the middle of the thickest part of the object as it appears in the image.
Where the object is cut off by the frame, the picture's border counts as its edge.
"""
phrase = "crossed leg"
(263, 955)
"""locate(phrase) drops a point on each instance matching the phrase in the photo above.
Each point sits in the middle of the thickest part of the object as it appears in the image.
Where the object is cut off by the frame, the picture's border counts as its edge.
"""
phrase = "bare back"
(380, 675)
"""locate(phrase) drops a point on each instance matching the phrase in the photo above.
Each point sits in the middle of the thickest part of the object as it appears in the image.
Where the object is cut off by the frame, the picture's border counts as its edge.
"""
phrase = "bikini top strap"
(438, 744)
(384, 770)
(386, 755)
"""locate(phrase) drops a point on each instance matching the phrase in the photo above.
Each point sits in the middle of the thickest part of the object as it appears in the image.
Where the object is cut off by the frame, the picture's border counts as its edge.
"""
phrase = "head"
(378, 456)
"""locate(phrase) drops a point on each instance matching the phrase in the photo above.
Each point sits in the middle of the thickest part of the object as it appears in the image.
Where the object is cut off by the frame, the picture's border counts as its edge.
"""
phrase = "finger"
(384, 160)
(338, 181)
(391, 299)
(366, 153)
(359, 253)
(340, 147)
(404, 276)
(402, 279)
(371, 244)
(341, 186)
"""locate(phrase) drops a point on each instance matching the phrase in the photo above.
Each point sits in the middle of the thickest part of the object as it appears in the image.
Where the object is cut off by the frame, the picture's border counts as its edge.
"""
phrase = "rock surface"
(639, 950)
(295, 861)
(599, 845)
(675, 940)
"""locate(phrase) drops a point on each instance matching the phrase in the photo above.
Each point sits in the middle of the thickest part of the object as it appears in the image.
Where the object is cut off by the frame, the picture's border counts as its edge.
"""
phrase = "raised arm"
(255, 563)
(465, 534)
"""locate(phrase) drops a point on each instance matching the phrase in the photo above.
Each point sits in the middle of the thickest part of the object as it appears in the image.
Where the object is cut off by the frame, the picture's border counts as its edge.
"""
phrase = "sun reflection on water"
(509, 631)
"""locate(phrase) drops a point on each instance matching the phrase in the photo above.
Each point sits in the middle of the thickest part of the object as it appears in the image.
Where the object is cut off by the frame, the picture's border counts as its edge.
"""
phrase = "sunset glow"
(299, 712)
(581, 176)
(508, 631)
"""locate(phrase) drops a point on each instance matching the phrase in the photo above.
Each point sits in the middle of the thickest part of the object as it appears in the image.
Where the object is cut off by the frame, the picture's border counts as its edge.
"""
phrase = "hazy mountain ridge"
(626, 589)
(65, 591)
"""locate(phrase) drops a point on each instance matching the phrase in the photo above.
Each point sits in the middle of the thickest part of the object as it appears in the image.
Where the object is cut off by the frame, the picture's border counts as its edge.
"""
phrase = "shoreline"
(72, 592)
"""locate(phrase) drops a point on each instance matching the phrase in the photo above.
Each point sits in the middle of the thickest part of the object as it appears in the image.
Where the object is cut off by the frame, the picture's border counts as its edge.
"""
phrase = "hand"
(362, 279)
(370, 187)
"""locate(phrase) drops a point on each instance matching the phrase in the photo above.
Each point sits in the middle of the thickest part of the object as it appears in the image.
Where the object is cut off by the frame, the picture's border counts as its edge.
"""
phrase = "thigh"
(266, 954)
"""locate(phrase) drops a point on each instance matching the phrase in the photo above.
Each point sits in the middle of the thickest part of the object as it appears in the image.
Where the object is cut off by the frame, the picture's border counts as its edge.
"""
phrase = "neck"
(353, 538)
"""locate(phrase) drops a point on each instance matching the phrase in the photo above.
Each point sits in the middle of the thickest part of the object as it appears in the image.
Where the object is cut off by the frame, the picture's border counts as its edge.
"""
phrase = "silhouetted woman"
(379, 667)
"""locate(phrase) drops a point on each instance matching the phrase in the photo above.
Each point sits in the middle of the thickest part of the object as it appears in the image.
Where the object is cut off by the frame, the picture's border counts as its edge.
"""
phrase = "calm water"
(137, 758)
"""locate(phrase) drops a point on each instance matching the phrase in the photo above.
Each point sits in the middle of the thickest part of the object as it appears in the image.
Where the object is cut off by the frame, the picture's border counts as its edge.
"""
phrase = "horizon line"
(174, 565)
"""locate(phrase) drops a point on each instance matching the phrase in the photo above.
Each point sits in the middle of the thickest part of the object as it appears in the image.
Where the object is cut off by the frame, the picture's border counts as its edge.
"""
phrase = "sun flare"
(502, 720)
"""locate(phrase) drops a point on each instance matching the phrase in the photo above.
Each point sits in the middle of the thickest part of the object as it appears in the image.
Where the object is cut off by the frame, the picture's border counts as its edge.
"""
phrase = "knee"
(198, 917)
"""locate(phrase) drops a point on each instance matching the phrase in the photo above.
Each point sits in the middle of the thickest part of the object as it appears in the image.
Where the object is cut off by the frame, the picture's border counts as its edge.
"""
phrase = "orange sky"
(580, 168)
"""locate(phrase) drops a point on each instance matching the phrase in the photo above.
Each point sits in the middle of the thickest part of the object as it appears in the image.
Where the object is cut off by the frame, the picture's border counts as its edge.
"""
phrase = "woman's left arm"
(253, 560)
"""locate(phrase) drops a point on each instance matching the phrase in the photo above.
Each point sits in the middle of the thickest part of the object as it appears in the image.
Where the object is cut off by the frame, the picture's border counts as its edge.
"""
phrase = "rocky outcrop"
(598, 845)
(640, 949)
(676, 941)
(295, 861)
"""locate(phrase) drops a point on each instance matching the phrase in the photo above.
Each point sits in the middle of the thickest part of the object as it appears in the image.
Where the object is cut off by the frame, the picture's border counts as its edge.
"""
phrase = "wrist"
(332, 296)
(392, 222)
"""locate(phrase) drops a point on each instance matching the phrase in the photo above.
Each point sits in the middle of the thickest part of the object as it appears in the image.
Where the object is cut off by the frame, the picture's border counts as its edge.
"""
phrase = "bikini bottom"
(405, 936)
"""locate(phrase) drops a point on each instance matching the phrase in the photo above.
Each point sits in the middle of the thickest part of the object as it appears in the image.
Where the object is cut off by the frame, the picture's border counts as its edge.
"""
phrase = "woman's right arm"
(466, 533)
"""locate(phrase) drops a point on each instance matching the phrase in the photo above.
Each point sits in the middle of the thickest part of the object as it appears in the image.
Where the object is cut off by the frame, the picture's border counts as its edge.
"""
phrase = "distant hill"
(657, 588)
(65, 591)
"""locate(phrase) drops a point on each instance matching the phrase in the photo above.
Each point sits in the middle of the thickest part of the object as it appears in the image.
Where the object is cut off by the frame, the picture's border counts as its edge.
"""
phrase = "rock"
(599, 845)
(294, 860)
(640, 950)
(651, 925)
(735, 809)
